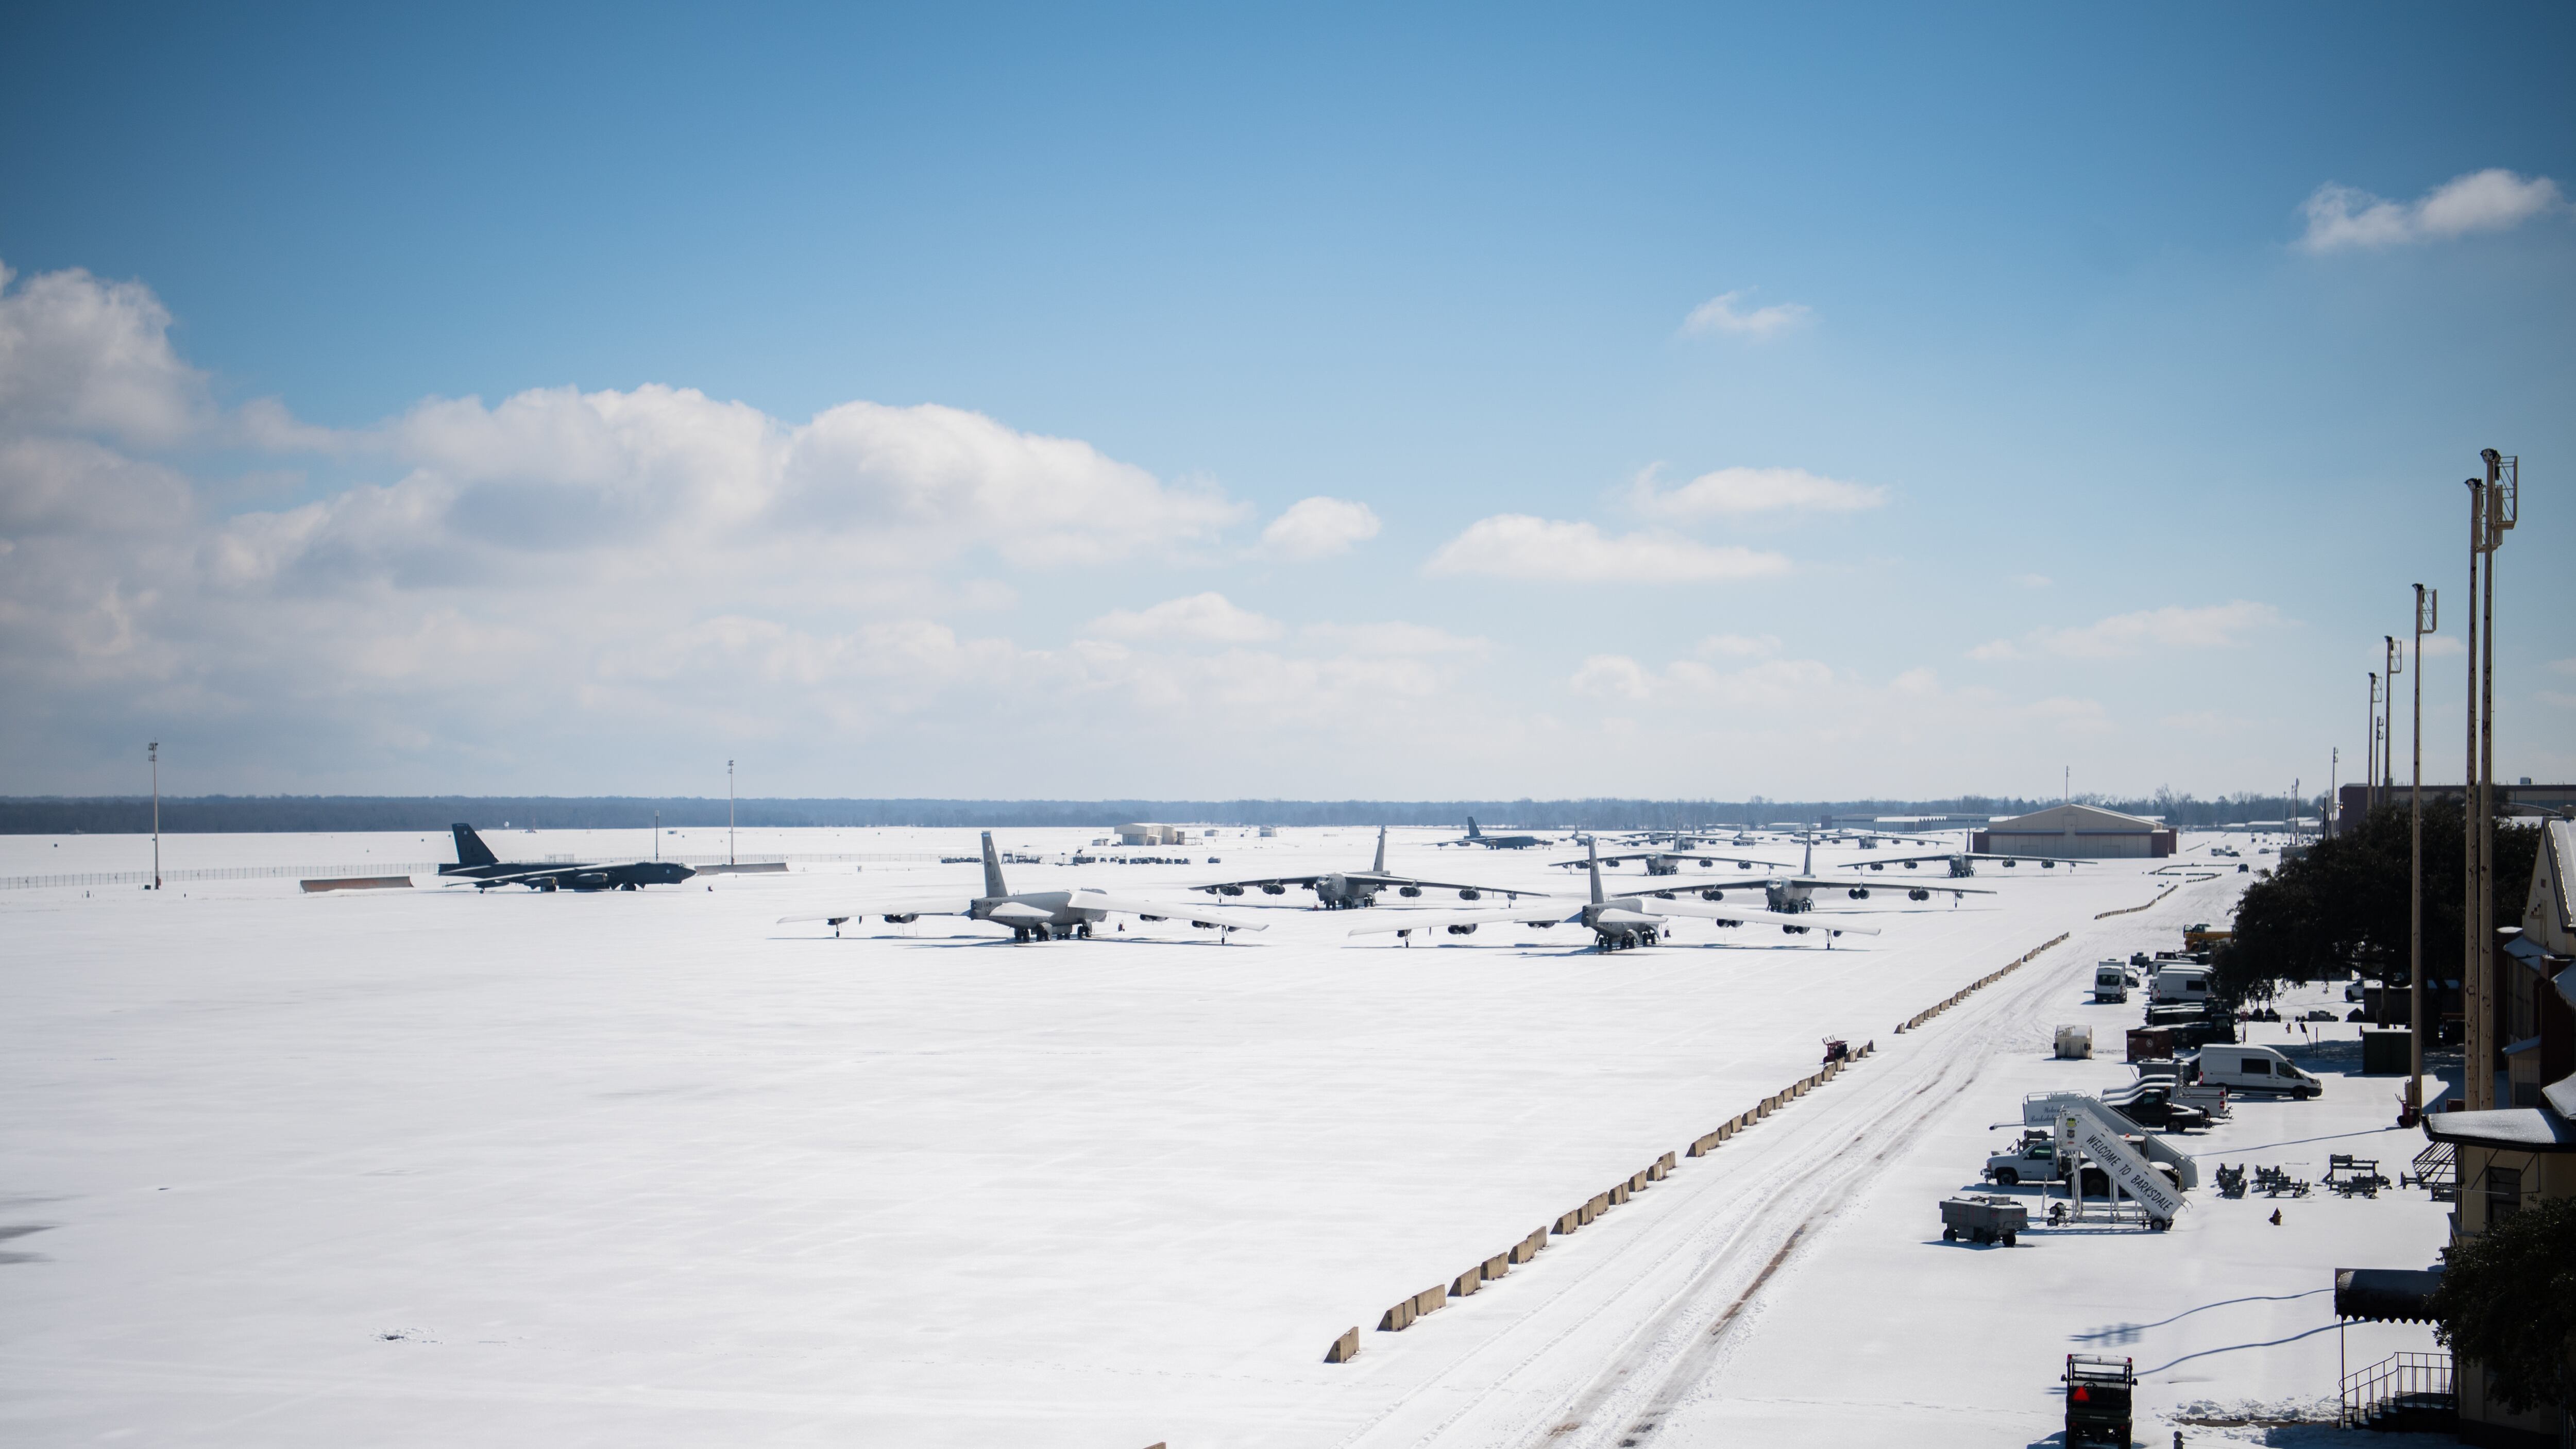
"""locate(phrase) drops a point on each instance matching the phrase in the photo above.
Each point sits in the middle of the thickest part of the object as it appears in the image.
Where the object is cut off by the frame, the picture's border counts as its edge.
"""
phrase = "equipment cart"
(1983, 1218)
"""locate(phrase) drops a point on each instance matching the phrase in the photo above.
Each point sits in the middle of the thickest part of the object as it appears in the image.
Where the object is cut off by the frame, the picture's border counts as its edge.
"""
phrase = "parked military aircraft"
(1616, 922)
(1035, 915)
(1495, 842)
(1962, 863)
(1784, 893)
(1350, 889)
(478, 866)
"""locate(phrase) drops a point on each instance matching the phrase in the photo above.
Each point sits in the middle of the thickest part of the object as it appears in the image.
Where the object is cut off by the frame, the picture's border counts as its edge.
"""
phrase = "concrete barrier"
(1467, 1282)
(1430, 1300)
(1596, 1207)
(1530, 1247)
(1641, 1179)
(1345, 1348)
(1397, 1319)
(1618, 1194)
(1570, 1221)
(1499, 1264)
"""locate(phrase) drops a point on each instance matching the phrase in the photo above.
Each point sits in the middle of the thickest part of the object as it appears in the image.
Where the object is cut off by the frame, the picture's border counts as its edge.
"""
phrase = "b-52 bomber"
(1337, 890)
(1475, 836)
(478, 867)
(1034, 915)
(1962, 863)
(1616, 922)
(1787, 894)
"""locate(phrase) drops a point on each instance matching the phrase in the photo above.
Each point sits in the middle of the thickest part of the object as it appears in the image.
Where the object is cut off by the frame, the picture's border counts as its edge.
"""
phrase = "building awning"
(2524, 1045)
(2385, 1295)
(2515, 1129)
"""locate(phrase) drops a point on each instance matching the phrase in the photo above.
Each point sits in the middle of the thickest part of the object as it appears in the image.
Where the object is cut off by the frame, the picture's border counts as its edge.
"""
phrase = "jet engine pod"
(1471, 894)
(1466, 928)
(2048, 865)
(1152, 918)
(1918, 894)
(1274, 890)
(1793, 930)
(1230, 890)
(1706, 864)
(2009, 864)
(1878, 865)
(901, 920)
(1909, 865)
(1860, 893)
(1408, 890)
(1744, 865)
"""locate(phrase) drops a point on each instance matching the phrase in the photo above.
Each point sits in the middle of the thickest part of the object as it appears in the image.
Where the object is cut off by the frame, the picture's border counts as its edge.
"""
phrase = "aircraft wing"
(1371, 877)
(1709, 911)
(1681, 855)
(1266, 880)
(1846, 883)
(1091, 900)
(1389, 921)
(1896, 860)
(921, 906)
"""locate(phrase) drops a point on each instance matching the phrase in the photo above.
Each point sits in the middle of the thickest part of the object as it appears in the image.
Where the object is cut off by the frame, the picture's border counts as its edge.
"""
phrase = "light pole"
(152, 754)
(729, 812)
(2427, 616)
(2370, 753)
(2385, 782)
(2494, 500)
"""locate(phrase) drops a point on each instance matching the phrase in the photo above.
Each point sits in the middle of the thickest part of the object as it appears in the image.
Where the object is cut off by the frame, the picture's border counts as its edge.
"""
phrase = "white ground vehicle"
(2032, 1159)
(2254, 1069)
(2179, 984)
(2110, 982)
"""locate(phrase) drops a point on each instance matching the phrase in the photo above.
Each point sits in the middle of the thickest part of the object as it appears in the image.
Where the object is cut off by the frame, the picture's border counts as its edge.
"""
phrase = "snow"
(419, 1167)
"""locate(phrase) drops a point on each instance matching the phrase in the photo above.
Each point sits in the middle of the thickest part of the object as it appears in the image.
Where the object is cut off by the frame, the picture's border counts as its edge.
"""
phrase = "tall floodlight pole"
(2370, 755)
(729, 812)
(152, 754)
(2496, 514)
(2427, 616)
(2386, 782)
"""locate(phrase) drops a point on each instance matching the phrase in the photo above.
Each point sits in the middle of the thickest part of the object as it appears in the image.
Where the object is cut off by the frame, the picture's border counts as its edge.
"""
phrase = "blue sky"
(2047, 405)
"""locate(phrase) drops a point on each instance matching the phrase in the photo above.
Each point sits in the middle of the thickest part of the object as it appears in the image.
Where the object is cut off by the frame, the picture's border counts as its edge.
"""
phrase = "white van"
(2111, 982)
(2179, 983)
(2254, 1069)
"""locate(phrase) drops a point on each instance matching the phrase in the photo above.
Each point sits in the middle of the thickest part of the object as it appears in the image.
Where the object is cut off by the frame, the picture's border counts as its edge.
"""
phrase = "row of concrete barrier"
(1406, 1312)
(2133, 910)
(1981, 983)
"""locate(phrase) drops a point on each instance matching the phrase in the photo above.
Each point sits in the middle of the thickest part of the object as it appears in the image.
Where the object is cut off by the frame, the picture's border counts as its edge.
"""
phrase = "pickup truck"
(2034, 1159)
(2154, 1106)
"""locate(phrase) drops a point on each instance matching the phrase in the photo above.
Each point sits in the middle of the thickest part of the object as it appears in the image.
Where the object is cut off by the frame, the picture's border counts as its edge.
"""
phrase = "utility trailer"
(2098, 1393)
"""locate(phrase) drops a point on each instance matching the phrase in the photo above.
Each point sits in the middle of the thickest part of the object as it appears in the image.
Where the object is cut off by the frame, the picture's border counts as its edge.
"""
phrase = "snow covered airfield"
(431, 1166)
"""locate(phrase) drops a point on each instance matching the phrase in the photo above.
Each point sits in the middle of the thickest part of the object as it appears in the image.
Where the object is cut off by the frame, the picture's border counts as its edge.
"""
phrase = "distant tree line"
(2344, 903)
(209, 814)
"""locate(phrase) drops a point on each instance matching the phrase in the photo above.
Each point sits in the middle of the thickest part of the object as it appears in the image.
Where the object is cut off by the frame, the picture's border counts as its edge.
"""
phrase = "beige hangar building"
(2076, 832)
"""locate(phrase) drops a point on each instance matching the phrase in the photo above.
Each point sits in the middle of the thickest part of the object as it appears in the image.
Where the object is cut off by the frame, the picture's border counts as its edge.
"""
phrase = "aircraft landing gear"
(1083, 930)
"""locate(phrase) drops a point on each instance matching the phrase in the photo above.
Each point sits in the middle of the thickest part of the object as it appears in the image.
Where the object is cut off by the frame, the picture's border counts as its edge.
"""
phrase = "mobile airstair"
(2088, 1131)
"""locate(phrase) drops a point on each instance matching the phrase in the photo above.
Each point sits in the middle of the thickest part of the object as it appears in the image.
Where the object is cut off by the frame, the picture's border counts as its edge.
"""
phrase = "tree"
(2507, 1303)
(2343, 903)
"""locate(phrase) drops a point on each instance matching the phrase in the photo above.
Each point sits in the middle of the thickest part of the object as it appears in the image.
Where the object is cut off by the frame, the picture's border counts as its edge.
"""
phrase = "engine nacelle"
(1744, 865)
(1465, 929)
(1274, 890)
(1918, 894)
(1153, 918)
(1793, 930)
(1878, 865)
(1471, 894)
(903, 920)
(2048, 865)
(2009, 864)
(1408, 890)
(1860, 893)
(1229, 890)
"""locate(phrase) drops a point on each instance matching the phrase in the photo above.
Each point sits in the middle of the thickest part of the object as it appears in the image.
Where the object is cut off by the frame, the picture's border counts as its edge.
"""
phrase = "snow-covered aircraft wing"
(1678, 855)
(1944, 857)
(920, 906)
(1710, 911)
(1091, 900)
(1397, 921)
(1844, 882)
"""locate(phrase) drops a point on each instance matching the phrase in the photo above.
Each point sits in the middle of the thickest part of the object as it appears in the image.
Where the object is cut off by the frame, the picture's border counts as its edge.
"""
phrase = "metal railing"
(2399, 1383)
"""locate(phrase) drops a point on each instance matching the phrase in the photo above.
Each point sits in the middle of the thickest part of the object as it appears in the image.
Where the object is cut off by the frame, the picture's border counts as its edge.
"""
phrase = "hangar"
(2076, 832)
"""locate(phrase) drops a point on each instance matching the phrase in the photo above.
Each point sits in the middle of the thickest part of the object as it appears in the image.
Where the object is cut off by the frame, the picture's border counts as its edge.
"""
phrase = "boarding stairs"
(2102, 1136)
(2437, 1170)
(2405, 1391)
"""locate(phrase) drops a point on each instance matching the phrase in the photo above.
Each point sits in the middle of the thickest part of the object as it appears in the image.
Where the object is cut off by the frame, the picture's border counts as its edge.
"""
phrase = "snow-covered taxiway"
(431, 1166)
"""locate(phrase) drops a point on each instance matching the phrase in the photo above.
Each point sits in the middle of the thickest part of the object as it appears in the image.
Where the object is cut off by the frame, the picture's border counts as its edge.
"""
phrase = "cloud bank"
(1721, 316)
(2344, 218)
(1531, 549)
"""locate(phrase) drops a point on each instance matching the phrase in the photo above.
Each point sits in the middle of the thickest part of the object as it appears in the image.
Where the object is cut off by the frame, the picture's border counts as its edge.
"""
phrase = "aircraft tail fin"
(1592, 850)
(1809, 868)
(1472, 832)
(993, 869)
(1380, 867)
(470, 849)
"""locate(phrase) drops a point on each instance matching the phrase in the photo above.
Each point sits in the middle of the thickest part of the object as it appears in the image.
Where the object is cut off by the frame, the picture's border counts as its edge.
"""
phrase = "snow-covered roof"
(2524, 1129)
(2549, 914)
(2076, 819)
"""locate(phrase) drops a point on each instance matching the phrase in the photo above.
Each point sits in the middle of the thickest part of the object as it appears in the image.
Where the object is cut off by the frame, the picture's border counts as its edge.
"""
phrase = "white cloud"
(1754, 490)
(1519, 546)
(1208, 618)
(2213, 626)
(1737, 646)
(2341, 217)
(86, 356)
(2033, 581)
(1314, 528)
(2563, 666)
(1720, 314)
(1393, 639)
